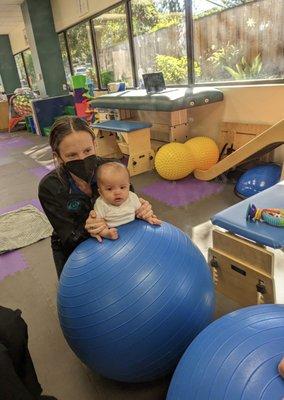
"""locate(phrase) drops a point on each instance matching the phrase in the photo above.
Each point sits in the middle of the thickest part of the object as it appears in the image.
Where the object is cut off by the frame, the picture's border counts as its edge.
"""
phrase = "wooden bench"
(114, 138)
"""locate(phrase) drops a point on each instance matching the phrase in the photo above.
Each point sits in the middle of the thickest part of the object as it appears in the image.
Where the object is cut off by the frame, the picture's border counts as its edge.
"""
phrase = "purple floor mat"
(10, 263)
(14, 143)
(40, 172)
(182, 192)
(34, 202)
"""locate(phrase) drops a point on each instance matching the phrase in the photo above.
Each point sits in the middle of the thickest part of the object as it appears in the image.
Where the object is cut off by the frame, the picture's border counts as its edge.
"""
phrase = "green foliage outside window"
(107, 77)
(174, 68)
(227, 63)
(168, 20)
(145, 16)
(246, 70)
(79, 45)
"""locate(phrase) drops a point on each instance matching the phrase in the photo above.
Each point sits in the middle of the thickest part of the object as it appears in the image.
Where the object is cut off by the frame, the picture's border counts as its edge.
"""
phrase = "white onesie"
(117, 215)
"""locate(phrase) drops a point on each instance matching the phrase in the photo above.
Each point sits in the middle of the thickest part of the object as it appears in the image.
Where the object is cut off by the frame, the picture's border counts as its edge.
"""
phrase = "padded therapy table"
(167, 111)
(247, 258)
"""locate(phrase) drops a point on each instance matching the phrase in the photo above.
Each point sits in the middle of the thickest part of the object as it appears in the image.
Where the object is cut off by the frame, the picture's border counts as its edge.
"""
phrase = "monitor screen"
(154, 82)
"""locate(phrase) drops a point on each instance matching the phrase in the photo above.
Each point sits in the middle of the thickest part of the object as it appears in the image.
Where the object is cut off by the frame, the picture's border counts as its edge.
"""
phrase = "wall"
(17, 39)
(248, 104)
(66, 12)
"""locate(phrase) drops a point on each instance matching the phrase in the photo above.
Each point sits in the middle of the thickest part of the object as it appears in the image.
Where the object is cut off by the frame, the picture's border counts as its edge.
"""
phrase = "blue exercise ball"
(257, 179)
(234, 358)
(129, 308)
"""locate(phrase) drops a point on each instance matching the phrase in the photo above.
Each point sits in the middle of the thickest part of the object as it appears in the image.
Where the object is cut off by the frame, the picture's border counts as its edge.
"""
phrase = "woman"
(68, 193)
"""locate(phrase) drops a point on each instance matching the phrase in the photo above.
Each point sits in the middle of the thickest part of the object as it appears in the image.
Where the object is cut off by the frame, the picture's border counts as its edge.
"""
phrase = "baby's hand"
(153, 220)
(281, 368)
(108, 233)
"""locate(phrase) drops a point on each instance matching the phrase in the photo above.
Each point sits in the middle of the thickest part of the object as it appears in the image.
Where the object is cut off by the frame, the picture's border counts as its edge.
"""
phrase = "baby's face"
(114, 187)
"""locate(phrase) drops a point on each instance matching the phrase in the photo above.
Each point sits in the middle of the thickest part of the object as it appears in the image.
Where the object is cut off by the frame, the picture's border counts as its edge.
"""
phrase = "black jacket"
(67, 208)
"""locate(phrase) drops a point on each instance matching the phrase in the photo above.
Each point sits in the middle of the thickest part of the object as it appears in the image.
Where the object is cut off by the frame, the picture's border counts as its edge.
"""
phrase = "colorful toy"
(21, 101)
(82, 98)
(272, 216)
(20, 106)
(174, 161)
(204, 150)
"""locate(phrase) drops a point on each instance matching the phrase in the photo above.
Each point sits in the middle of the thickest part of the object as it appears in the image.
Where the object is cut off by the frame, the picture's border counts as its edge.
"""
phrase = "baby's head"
(113, 182)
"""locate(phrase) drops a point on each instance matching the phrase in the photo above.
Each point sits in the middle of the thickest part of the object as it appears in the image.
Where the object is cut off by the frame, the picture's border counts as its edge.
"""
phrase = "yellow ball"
(174, 161)
(204, 150)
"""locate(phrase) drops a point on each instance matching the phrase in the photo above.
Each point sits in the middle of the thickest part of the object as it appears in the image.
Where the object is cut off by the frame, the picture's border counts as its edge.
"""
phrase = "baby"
(117, 204)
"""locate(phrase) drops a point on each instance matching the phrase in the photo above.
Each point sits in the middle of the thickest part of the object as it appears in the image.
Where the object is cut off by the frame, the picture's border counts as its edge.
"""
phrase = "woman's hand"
(95, 225)
(145, 212)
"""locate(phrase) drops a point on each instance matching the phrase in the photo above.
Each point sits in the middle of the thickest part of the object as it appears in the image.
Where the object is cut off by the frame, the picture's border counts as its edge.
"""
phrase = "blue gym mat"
(234, 220)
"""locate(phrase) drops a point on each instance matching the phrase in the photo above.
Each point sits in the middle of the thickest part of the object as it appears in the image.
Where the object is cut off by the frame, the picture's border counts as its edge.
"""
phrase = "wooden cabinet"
(242, 270)
(4, 115)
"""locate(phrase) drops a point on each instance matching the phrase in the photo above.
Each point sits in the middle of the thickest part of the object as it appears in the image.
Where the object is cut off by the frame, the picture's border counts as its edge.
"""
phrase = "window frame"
(189, 49)
(24, 64)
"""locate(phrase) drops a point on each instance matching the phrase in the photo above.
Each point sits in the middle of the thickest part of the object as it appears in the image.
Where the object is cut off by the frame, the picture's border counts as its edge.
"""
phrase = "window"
(27, 56)
(239, 40)
(21, 70)
(226, 40)
(81, 52)
(160, 39)
(64, 57)
(113, 47)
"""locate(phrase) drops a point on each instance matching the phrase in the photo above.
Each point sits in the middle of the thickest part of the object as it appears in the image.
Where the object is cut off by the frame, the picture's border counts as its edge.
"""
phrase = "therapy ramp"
(261, 144)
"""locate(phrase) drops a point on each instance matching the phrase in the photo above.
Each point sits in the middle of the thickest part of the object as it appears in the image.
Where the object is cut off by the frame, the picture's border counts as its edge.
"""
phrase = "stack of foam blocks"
(80, 99)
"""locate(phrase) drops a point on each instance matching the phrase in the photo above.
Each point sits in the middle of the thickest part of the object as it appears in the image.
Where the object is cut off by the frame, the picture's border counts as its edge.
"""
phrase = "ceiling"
(10, 15)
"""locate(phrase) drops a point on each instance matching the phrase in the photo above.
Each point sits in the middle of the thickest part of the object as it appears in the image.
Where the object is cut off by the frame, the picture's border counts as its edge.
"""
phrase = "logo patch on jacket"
(73, 205)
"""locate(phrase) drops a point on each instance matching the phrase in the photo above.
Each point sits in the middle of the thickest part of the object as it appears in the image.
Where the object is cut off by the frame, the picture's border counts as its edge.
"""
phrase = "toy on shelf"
(113, 87)
(20, 106)
(272, 216)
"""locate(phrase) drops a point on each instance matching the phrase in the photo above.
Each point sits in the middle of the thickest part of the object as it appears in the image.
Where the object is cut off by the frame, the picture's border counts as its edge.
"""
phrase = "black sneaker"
(47, 398)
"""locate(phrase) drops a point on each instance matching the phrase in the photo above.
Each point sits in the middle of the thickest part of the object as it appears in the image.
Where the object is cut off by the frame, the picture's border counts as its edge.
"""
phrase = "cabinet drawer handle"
(239, 270)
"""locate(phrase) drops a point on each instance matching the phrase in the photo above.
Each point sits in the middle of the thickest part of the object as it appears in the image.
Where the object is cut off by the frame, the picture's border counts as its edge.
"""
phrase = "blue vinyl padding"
(234, 218)
(122, 126)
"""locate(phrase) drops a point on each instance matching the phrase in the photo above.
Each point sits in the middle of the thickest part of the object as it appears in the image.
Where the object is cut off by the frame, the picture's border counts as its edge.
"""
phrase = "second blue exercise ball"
(257, 179)
(129, 308)
(234, 358)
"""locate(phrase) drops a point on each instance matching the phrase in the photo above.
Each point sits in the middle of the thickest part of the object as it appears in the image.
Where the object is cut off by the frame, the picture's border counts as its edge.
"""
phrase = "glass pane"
(80, 47)
(64, 57)
(238, 40)
(30, 69)
(21, 70)
(1, 87)
(113, 47)
(160, 39)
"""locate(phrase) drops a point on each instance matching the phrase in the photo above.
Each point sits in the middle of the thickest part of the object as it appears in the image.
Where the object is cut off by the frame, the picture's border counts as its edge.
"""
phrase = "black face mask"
(84, 169)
